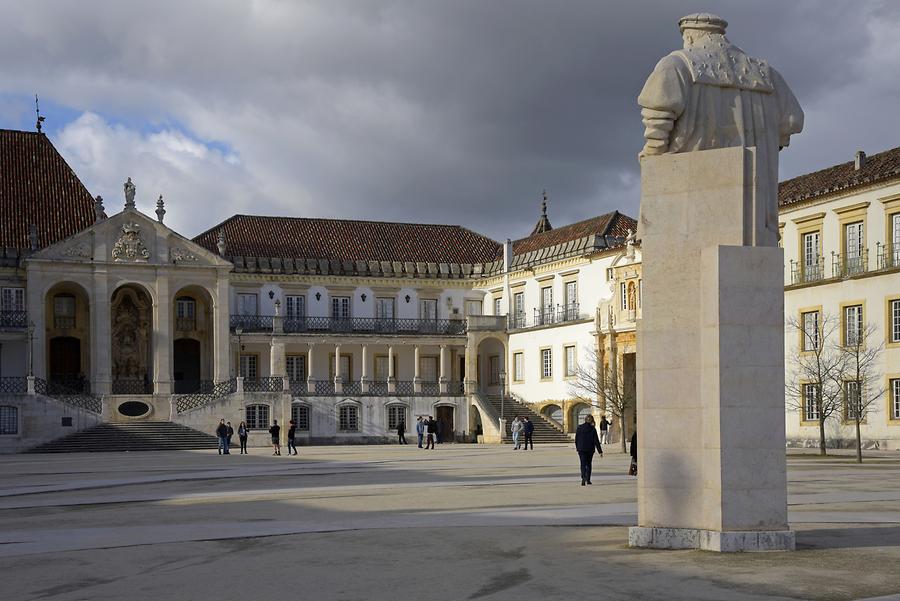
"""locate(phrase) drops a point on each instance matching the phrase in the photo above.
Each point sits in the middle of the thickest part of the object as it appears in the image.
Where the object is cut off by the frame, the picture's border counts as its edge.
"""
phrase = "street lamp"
(31, 348)
(502, 390)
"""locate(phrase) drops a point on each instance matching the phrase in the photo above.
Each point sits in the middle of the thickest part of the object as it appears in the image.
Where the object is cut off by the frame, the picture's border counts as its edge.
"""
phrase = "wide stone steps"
(138, 436)
(544, 431)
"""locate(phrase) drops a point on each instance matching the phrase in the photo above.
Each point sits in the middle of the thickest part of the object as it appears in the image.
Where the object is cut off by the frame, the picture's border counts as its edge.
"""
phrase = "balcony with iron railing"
(803, 273)
(64, 322)
(546, 316)
(888, 256)
(848, 265)
(352, 325)
(185, 324)
(13, 320)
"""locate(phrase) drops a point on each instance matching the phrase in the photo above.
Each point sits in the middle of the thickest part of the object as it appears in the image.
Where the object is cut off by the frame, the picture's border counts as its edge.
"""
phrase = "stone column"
(705, 479)
(392, 381)
(364, 374)
(101, 338)
(338, 377)
(417, 379)
(443, 367)
(162, 337)
(277, 358)
(222, 351)
(310, 379)
(470, 379)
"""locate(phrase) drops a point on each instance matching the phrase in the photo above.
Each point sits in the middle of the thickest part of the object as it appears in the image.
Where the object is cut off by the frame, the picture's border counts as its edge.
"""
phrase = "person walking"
(516, 429)
(401, 431)
(431, 432)
(632, 469)
(528, 433)
(439, 431)
(275, 432)
(420, 429)
(292, 432)
(230, 433)
(586, 440)
(604, 430)
(222, 435)
(243, 432)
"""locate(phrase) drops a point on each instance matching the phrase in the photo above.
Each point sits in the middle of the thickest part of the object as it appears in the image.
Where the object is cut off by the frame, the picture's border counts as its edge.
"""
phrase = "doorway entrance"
(187, 365)
(65, 358)
(444, 416)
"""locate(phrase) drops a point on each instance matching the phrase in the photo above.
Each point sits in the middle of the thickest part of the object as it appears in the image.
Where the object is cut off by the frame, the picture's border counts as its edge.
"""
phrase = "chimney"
(507, 255)
(860, 160)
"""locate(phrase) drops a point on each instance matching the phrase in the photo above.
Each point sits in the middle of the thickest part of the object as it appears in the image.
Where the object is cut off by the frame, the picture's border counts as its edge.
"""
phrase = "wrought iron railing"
(185, 324)
(377, 388)
(252, 323)
(430, 388)
(324, 387)
(131, 386)
(187, 402)
(192, 386)
(68, 385)
(404, 388)
(64, 322)
(813, 271)
(14, 319)
(455, 388)
(546, 316)
(888, 256)
(14, 385)
(355, 325)
(299, 386)
(81, 399)
(267, 384)
(351, 387)
(843, 266)
(517, 320)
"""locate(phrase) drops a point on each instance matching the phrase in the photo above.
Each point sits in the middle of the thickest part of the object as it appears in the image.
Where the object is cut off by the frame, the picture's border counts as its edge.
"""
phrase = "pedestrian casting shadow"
(849, 538)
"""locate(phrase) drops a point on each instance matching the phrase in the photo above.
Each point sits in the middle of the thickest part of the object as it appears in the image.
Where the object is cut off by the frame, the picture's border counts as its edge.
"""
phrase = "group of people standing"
(428, 430)
(224, 433)
(522, 428)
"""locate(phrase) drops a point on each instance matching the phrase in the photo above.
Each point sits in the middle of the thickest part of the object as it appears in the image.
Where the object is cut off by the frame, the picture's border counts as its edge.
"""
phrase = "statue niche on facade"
(711, 94)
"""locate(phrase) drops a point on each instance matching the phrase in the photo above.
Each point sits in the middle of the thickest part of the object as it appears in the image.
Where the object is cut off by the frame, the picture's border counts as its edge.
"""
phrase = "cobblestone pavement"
(391, 522)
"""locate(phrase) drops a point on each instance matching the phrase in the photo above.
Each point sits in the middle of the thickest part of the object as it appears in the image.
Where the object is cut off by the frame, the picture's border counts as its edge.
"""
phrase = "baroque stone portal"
(131, 330)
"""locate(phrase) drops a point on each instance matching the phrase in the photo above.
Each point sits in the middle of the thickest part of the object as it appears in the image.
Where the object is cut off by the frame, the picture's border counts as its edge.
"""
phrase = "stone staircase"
(137, 436)
(544, 430)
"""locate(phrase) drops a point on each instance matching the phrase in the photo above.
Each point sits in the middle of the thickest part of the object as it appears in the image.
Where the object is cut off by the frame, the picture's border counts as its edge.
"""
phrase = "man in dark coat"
(586, 440)
(401, 430)
(633, 469)
(431, 432)
(528, 431)
(222, 435)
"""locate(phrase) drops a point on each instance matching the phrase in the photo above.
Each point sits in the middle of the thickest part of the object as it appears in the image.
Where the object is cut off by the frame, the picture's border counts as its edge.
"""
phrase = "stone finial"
(160, 209)
(32, 236)
(221, 243)
(543, 223)
(129, 194)
(99, 211)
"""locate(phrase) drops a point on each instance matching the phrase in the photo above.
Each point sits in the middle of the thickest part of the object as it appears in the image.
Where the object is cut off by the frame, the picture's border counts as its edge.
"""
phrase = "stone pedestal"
(710, 360)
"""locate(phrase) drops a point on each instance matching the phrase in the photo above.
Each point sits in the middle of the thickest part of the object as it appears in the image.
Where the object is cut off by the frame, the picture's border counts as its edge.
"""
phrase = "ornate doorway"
(187, 365)
(131, 337)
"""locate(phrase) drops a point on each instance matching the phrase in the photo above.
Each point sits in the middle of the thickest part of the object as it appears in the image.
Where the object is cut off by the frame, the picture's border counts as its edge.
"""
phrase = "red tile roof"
(38, 187)
(876, 168)
(613, 224)
(348, 240)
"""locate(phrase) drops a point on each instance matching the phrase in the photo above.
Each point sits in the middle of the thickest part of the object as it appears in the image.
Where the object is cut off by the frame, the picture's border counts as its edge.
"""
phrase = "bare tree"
(861, 379)
(595, 382)
(814, 385)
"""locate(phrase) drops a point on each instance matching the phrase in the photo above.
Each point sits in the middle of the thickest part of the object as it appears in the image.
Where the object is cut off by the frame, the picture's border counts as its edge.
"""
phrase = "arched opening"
(68, 325)
(555, 413)
(192, 346)
(443, 415)
(491, 362)
(131, 334)
(577, 413)
(475, 424)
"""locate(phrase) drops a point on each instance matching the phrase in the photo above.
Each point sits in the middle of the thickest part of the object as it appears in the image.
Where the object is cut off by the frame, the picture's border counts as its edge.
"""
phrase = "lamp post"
(31, 348)
(502, 391)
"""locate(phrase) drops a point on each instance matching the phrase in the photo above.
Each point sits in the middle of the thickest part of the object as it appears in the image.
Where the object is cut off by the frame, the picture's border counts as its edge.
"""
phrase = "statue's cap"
(703, 21)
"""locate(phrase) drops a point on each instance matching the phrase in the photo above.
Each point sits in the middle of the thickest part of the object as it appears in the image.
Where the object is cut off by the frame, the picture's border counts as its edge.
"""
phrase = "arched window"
(348, 418)
(554, 412)
(257, 417)
(300, 415)
(9, 419)
(395, 413)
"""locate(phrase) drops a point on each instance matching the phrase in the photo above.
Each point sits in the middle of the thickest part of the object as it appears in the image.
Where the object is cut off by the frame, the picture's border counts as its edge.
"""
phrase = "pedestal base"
(711, 540)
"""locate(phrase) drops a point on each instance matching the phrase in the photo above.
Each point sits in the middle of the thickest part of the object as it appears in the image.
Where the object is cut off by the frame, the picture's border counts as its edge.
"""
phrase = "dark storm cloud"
(457, 112)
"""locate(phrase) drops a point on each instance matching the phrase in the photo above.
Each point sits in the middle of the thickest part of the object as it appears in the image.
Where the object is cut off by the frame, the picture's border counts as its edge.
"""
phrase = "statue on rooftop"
(129, 194)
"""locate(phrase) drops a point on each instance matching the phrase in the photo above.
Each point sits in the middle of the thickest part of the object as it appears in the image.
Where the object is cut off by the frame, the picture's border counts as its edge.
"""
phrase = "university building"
(347, 327)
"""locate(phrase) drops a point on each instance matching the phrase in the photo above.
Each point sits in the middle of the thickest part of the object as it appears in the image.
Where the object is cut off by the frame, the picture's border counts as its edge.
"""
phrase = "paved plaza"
(390, 522)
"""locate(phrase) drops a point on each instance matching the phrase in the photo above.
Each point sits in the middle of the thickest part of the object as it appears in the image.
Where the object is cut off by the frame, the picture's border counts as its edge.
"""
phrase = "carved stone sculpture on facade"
(130, 247)
(711, 94)
(129, 194)
(178, 254)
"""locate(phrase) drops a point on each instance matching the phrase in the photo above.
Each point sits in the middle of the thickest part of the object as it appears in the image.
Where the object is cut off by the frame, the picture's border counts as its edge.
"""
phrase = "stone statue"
(129, 194)
(629, 243)
(711, 94)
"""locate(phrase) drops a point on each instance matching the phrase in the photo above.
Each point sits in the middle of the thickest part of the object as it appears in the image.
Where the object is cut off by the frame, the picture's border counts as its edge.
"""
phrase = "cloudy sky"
(410, 110)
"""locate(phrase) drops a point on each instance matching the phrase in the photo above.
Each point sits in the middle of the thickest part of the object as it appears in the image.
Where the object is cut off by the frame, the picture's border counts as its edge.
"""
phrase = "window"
(519, 308)
(810, 321)
(623, 288)
(295, 365)
(348, 418)
(13, 299)
(346, 367)
(811, 402)
(547, 305)
(497, 305)
(340, 307)
(609, 274)
(473, 307)
(300, 415)
(519, 367)
(852, 401)
(853, 243)
(428, 308)
(384, 308)
(895, 320)
(812, 267)
(381, 368)
(428, 369)
(395, 413)
(546, 364)
(249, 367)
(64, 311)
(571, 294)
(247, 304)
(294, 306)
(895, 398)
(257, 417)
(495, 370)
(570, 361)
(853, 325)
(894, 255)
(9, 419)
(185, 314)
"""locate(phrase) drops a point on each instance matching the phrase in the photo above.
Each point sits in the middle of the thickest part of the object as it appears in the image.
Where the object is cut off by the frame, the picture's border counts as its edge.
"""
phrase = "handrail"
(188, 402)
(82, 400)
